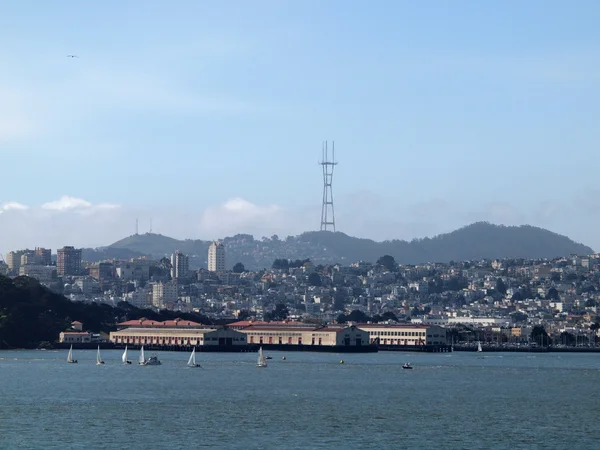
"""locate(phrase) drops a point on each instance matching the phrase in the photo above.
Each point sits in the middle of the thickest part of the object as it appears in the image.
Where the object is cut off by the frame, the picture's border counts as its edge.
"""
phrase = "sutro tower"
(327, 211)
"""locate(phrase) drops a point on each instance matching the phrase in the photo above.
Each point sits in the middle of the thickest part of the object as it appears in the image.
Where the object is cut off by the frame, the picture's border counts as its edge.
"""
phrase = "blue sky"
(209, 117)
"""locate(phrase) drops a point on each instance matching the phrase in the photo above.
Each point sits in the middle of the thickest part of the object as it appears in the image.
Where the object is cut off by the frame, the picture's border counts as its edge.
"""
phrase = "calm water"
(510, 400)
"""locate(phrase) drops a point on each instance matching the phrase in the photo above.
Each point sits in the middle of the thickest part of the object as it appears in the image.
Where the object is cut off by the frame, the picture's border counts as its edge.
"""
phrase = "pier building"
(404, 334)
(296, 334)
(178, 337)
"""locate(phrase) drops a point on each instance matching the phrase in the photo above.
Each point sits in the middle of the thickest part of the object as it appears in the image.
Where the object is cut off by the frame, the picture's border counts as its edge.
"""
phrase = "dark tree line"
(31, 314)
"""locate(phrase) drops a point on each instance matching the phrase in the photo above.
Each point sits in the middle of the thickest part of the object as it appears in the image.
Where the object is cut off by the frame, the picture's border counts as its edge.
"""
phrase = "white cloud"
(8, 206)
(241, 216)
(66, 203)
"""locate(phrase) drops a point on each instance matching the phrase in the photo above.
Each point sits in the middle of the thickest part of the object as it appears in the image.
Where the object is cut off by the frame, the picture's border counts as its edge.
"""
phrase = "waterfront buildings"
(179, 336)
(68, 261)
(404, 334)
(305, 334)
(216, 257)
(75, 337)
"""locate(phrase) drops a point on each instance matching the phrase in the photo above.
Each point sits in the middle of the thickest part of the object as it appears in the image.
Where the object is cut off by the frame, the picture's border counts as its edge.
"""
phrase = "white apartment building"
(216, 257)
(180, 266)
(164, 293)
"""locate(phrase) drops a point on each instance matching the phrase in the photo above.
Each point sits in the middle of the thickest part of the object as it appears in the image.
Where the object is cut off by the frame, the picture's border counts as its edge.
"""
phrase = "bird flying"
(72, 56)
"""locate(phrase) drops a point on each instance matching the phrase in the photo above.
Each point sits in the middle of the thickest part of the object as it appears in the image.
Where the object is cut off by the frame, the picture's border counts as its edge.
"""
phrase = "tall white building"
(164, 293)
(180, 265)
(216, 257)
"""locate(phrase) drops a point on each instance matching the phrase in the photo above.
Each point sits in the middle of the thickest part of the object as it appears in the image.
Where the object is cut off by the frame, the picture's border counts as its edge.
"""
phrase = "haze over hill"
(476, 241)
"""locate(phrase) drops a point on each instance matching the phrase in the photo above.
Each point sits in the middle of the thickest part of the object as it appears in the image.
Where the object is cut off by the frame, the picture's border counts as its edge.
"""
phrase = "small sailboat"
(99, 361)
(406, 366)
(70, 356)
(152, 361)
(142, 360)
(124, 357)
(192, 361)
(479, 349)
(262, 362)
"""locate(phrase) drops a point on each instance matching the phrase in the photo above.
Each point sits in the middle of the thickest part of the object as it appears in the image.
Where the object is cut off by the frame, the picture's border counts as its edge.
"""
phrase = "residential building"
(164, 293)
(180, 266)
(13, 259)
(44, 274)
(216, 257)
(68, 261)
(43, 256)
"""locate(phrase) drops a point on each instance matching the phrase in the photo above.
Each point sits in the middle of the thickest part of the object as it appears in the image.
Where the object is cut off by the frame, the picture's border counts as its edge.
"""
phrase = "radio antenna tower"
(327, 211)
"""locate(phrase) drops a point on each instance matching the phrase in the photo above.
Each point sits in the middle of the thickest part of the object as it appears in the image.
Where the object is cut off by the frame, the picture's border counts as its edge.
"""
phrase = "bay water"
(307, 401)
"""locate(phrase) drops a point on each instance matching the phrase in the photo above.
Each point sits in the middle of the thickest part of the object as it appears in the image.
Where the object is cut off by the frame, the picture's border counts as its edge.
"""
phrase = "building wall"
(70, 337)
(216, 257)
(180, 337)
(68, 261)
(405, 334)
(44, 274)
(180, 266)
(285, 335)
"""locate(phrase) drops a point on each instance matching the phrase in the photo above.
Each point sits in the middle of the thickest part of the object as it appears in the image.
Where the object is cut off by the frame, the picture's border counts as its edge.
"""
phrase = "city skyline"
(208, 120)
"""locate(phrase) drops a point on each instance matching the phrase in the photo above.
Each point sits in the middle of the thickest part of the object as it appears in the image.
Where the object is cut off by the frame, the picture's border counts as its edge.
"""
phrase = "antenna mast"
(327, 211)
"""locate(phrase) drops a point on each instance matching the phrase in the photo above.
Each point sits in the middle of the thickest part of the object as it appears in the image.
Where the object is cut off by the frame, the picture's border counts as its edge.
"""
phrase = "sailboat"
(70, 356)
(152, 361)
(99, 361)
(262, 362)
(142, 360)
(479, 349)
(192, 361)
(124, 357)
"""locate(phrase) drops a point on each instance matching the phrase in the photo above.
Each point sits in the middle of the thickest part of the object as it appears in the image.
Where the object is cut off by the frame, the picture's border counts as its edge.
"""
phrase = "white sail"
(262, 362)
(192, 360)
(142, 357)
(70, 355)
(479, 349)
(124, 357)
(98, 358)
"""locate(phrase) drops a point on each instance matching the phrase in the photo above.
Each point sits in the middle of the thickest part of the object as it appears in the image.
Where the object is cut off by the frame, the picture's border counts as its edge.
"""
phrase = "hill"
(477, 241)
(30, 314)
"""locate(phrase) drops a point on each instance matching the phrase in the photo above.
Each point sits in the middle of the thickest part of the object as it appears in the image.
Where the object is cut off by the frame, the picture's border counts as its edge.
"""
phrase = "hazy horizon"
(208, 119)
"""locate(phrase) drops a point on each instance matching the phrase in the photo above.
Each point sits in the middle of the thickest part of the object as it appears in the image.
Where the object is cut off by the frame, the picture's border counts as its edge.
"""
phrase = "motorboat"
(406, 366)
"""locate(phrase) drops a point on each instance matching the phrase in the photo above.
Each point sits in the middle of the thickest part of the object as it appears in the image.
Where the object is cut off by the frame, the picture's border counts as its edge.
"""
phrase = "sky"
(205, 119)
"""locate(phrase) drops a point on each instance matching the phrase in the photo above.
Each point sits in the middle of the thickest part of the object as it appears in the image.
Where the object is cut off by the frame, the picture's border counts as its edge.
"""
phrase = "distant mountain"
(477, 241)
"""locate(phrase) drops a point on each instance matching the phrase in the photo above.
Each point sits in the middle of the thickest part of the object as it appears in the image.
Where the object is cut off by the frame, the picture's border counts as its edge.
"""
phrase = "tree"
(238, 268)
(552, 294)
(281, 264)
(314, 279)
(539, 335)
(281, 312)
(388, 315)
(357, 316)
(388, 262)
(590, 303)
(501, 286)
(244, 314)
(519, 316)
